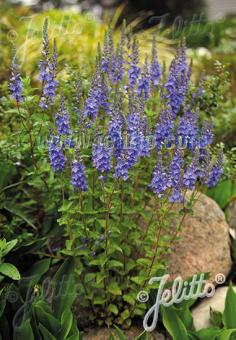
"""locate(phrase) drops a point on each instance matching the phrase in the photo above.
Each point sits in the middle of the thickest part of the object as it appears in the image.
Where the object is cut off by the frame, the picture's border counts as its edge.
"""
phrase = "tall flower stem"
(29, 130)
(108, 203)
(177, 230)
(81, 203)
(121, 201)
(31, 142)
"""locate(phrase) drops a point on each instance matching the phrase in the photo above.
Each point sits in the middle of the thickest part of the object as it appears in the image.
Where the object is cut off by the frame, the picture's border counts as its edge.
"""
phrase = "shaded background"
(212, 9)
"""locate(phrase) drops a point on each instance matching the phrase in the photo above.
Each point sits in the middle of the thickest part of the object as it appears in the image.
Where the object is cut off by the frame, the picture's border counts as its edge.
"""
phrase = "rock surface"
(204, 244)
(231, 214)
(201, 313)
(131, 334)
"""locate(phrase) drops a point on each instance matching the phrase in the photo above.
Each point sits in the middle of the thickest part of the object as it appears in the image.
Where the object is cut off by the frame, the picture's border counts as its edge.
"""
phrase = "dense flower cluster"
(122, 91)
(78, 176)
(101, 157)
(15, 81)
(119, 92)
(62, 119)
(48, 71)
(215, 173)
(56, 155)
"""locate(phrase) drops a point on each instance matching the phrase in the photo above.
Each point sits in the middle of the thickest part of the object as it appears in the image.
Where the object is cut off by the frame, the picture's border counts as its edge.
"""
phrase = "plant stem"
(82, 213)
(29, 130)
(121, 201)
(106, 237)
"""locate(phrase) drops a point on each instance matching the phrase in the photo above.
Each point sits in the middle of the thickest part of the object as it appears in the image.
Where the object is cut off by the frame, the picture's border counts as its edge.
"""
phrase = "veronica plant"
(124, 149)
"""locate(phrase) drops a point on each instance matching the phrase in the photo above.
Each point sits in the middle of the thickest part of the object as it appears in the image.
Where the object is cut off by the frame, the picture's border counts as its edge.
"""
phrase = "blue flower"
(176, 196)
(134, 70)
(115, 133)
(56, 155)
(215, 173)
(190, 176)
(62, 119)
(15, 81)
(175, 169)
(206, 137)
(177, 82)
(164, 130)
(144, 83)
(117, 66)
(48, 73)
(140, 143)
(159, 182)
(155, 68)
(101, 157)
(97, 97)
(121, 169)
(78, 176)
(187, 131)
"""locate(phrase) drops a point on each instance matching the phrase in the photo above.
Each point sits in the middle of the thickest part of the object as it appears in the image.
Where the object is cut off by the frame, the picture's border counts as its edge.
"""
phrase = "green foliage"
(176, 322)
(7, 269)
(107, 254)
(223, 193)
(41, 308)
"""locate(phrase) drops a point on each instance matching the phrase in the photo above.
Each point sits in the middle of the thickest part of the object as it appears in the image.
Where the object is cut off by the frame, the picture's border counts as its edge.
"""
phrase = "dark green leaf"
(66, 322)
(24, 331)
(229, 314)
(173, 324)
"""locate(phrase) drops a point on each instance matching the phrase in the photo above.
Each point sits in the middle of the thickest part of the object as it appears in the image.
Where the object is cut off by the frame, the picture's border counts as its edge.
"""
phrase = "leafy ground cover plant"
(123, 149)
(179, 321)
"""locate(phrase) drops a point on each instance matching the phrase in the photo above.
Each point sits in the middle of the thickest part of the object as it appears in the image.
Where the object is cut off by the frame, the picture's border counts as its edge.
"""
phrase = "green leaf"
(139, 279)
(125, 314)
(45, 333)
(3, 300)
(120, 334)
(114, 288)
(64, 290)
(20, 214)
(99, 300)
(144, 262)
(99, 261)
(113, 309)
(130, 299)
(24, 331)
(226, 334)
(47, 320)
(185, 315)
(223, 192)
(7, 171)
(115, 264)
(216, 318)
(38, 269)
(114, 248)
(8, 247)
(208, 333)
(9, 270)
(66, 322)
(173, 324)
(229, 314)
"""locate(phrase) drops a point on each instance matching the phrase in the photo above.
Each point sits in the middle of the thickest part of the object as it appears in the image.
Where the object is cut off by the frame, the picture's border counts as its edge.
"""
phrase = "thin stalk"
(81, 202)
(121, 201)
(29, 130)
(106, 237)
